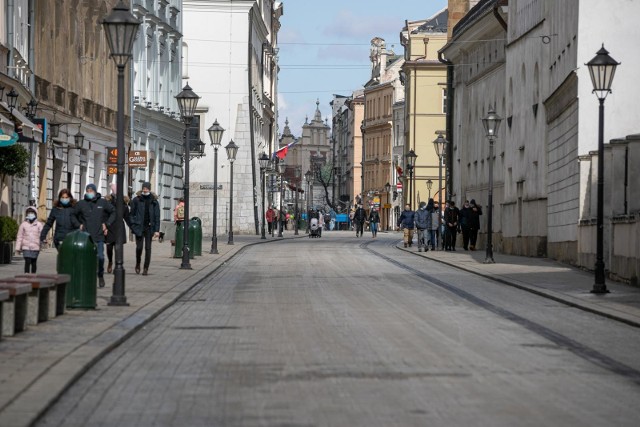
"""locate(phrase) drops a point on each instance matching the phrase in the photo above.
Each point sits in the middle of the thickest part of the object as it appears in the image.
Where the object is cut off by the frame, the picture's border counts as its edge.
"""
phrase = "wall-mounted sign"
(112, 156)
(137, 159)
(112, 170)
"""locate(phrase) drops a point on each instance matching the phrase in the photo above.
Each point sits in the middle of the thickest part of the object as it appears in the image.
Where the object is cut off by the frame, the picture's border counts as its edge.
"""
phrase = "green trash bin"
(177, 253)
(78, 257)
(196, 243)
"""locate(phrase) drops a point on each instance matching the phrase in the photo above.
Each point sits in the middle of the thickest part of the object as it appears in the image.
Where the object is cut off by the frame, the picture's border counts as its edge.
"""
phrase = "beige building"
(425, 102)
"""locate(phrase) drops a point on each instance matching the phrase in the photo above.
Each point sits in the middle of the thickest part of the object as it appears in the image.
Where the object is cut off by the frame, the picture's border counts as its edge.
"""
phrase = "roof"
(478, 11)
(436, 24)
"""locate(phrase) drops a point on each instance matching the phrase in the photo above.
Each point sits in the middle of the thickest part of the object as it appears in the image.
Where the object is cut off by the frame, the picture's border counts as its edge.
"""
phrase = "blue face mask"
(31, 217)
(90, 196)
(65, 202)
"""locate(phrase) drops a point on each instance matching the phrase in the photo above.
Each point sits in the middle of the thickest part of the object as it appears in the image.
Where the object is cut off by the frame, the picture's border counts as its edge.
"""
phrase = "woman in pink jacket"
(28, 241)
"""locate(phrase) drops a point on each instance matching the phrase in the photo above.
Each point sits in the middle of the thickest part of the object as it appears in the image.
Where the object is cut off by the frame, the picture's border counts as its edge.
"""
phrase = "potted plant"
(8, 235)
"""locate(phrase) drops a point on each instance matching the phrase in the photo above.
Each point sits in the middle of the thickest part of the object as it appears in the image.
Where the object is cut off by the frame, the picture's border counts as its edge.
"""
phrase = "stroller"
(314, 228)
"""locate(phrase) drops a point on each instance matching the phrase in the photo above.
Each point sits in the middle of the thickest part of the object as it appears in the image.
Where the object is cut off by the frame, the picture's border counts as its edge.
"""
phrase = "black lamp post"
(264, 164)
(215, 135)
(232, 150)
(281, 169)
(429, 186)
(296, 211)
(308, 177)
(440, 145)
(187, 102)
(491, 125)
(411, 157)
(32, 107)
(602, 69)
(120, 28)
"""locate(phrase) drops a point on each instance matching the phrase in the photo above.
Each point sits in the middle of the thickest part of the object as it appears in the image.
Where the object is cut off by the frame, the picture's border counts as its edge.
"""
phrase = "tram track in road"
(582, 351)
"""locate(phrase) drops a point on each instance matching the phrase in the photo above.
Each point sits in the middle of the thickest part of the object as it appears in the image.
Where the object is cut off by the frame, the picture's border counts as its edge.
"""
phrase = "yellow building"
(425, 80)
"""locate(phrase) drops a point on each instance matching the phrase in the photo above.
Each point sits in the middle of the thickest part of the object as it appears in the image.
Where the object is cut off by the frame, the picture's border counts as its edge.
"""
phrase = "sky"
(324, 49)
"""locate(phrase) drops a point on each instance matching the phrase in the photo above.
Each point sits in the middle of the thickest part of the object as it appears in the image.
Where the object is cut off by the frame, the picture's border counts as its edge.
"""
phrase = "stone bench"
(4, 296)
(15, 309)
(46, 298)
(61, 281)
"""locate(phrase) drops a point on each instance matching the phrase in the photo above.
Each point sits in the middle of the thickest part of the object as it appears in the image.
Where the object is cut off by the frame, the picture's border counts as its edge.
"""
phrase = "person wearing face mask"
(111, 238)
(422, 224)
(145, 224)
(61, 216)
(95, 215)
(406, 222)
(28, 240)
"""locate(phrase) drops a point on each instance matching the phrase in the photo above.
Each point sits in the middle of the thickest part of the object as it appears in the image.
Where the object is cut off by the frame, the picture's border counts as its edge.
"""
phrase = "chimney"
(457, 10)
(383, 58)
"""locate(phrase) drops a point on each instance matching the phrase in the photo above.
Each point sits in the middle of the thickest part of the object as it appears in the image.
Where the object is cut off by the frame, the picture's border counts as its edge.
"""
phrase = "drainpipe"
(449, 124)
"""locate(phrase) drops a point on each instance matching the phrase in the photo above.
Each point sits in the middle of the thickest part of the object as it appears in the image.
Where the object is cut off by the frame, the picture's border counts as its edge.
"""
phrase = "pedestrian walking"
(451, 219)
(145, 224)
(422, 221)
(352, 214)
(61, 215)
(433, 224)
(374, 221)
(406, 223)
(111, 237)
(359, 217)
(474, 223)
(94, 215)
(178, 212)
(282, 220)
(270, 216)
(28, 239)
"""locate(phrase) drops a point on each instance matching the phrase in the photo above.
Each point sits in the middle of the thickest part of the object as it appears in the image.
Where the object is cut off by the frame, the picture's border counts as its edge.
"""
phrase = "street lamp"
(440, 145)
(308, 176)
(232, 150)
(32, 107)
(120, 28)
(602, 69)
(411, 157)
(281, 170)
(429, 187)
(296, 211)
(187, 101)
(264, 164)
(491, 125)
(215, 135)
(12, 99)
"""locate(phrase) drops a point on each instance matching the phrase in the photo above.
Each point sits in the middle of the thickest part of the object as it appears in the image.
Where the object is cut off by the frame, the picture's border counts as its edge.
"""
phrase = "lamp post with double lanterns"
(232, 150)
(120, 28)
(602, 69)
(187, 102)
(491, 125)
(440, 145)
(264, 165)
(215, 135)
(281, 169)
(411, 157)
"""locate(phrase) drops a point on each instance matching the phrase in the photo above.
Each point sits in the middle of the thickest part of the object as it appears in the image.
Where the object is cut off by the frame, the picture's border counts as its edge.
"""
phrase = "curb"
(127, 327)
(555, 296)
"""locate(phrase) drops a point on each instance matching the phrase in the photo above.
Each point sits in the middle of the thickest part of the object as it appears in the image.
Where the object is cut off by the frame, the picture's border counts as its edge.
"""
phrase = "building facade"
(238, 87)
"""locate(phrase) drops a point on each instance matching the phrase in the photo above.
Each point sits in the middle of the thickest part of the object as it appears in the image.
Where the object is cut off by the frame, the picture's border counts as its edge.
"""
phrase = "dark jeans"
(145, 240)
(110, 247)
(450, 237)
(359, 227)
(270, 226)
(100, 246)
(473, 237)
(30, 265)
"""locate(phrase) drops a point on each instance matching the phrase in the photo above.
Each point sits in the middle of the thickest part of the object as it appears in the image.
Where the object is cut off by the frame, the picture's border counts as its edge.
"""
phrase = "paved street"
(343, 331)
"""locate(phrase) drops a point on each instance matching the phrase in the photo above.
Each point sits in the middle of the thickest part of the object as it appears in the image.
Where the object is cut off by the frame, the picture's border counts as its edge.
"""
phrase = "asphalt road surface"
(340, 331)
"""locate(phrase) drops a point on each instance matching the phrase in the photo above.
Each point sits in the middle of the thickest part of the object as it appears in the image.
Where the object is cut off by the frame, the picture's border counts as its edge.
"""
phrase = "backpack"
(180, 212)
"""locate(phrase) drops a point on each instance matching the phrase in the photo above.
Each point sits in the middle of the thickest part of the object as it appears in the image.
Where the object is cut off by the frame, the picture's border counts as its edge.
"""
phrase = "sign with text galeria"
(137, 159)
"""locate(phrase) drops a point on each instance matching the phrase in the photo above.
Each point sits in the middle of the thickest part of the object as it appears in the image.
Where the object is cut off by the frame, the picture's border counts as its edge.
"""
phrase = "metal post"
(230, 242)
(263, 174)
(280, 225)
(118, 297)
(440, 202)
(273, 226)
(186, 264)
(489, 251)
(214, 236)
(296, 213)
(600, 287)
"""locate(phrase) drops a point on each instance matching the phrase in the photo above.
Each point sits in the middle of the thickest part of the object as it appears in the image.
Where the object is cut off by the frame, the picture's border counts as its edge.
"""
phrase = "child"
(28, 241)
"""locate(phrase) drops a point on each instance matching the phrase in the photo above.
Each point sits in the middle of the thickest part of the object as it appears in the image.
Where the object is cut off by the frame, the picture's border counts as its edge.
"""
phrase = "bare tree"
(325, 175)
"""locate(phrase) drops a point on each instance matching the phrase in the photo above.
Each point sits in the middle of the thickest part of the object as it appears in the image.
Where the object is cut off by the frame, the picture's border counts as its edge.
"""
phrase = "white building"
(157, 79)
(230, 60)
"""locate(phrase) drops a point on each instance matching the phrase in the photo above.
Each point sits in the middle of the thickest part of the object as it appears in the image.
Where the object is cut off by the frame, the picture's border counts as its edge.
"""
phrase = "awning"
(29, 129)
(6, 125)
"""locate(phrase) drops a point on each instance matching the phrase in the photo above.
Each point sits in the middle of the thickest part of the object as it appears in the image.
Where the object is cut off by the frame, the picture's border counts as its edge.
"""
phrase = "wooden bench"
(4, 296)
(15, 309)
(46, 298)
(61, 281)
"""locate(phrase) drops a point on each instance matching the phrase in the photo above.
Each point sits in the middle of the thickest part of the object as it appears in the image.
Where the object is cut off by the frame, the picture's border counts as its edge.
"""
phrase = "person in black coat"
(470, 224)
(360, 217)
(111, 238)
(94, 215)
(451, 220)
(145, 224)
(61, 215)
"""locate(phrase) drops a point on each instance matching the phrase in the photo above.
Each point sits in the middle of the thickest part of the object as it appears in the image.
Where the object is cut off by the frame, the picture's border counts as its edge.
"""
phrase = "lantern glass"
(78, 139)
(12, 99)
(187, 101)
(232, 150)
(491, 123)
(264, 161)
(120, 28)
(440, 144)
(215, 133)
(602, 69)
(411, 158)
